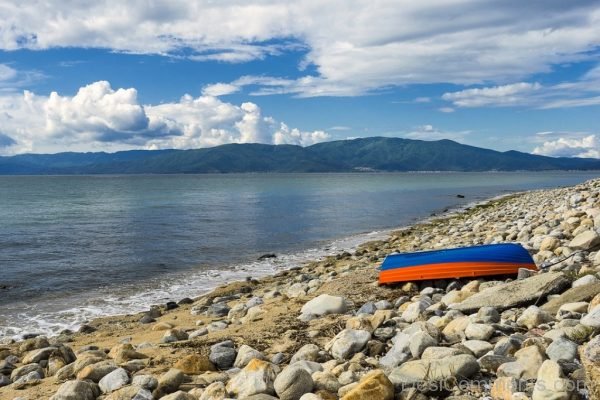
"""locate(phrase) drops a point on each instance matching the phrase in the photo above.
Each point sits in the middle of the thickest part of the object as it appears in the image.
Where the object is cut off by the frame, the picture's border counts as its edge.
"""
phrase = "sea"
(73, 248)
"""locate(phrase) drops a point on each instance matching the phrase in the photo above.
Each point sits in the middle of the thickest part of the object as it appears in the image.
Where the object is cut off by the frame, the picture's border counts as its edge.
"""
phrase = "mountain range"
(365, 154)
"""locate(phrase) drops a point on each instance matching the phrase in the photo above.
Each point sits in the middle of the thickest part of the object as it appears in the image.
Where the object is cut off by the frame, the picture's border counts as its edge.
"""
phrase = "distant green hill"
(368, 154)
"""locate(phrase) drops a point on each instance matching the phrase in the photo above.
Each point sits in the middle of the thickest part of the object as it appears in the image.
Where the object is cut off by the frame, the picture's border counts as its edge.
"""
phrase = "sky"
(109, 75)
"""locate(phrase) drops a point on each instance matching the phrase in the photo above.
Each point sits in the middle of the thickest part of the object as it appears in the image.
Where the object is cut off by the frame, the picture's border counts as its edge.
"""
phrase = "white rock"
(348, 342)
(325, 304)
(585, 280)
(479, 331)
(114, 380)
(550, 384)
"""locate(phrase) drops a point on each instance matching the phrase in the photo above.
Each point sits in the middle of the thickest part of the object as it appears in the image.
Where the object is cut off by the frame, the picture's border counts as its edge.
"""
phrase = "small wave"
(52, 317)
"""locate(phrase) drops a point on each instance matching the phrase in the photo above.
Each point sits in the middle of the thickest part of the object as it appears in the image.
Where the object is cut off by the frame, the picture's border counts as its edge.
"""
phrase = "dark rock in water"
(171, 305)
(147, 319)
(266, 256)
(86, 329)
(460, 196)
(30, 335)
(185, 300)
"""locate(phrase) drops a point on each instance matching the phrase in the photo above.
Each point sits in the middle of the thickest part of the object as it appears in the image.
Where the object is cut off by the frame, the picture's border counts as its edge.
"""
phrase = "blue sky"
(112, 76)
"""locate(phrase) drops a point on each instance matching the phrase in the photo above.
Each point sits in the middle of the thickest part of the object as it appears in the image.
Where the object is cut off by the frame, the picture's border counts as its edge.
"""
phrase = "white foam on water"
(52, 317)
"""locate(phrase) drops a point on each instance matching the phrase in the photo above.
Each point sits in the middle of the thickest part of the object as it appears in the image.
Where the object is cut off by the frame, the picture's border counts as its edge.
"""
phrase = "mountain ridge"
(363, 154)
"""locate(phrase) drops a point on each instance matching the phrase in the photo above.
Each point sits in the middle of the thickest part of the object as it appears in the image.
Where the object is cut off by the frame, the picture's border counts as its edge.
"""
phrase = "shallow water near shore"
(77, 247)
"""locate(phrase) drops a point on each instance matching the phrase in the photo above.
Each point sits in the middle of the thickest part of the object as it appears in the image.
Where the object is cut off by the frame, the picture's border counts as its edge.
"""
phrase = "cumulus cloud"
(506, 95)
(354, 47)
(577, 145)
(99, 117)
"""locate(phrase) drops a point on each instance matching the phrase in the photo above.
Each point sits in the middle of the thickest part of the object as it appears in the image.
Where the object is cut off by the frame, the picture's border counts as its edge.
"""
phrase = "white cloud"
(446, 110)
(99, 117)
(506, 95)
(355, 47)
(586, 146)
(219, 89)
(7, 73)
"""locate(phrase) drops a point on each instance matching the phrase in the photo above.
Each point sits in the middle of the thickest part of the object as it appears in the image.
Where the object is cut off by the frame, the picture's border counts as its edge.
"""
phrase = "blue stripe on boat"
(505, 252)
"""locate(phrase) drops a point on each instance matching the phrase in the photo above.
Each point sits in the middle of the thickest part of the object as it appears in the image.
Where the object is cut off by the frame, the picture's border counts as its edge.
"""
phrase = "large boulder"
(77, 390)
(347, 343)
(292, 383)
(515, 293)
(573, 295)
(256, 378)
(374, 385)
(585, 240)
(414, 372)
(325, 304)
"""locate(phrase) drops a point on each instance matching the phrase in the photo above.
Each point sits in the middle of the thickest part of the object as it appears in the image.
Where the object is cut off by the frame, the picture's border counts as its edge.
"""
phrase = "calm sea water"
(76, 247)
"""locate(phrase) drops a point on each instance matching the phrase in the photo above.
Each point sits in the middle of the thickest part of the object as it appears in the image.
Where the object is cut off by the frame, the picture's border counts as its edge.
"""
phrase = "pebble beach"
(327, 330)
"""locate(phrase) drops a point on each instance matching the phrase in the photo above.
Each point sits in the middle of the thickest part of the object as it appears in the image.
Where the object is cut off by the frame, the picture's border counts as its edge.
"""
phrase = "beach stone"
(455, 330)
(77, 390)
(435, 353)
(255, 378)
(529, 360)
(97, 371)
(453, 367)
(245, 354)
(515, 293)
(26, 369)
(308, 352)
(147, 382)
(419, 342)
(504, 387)
(217, 310)
(309, 366)
(367, 308)
(35, 356)
(550, 384)
(488, 315)
(297, 290)
(324, 305)
(562, 349)
(592, 319)
(168, 382)
(590, 358)
(162, 326)
(114, 380)
(323, 380)
(549, 243)
(477, 347)
(585, 280)
(125, 352)
(223, 354)
(374, 385)
(456, 296)
(348, 342)
(534, 316)
(198, 333)
(4, 380)
(414, 310)
(31, 379)
(179, 395)
(479, 331)
(292, 383)
(491, 362)
(584, 240)
(194, 364)
(399, 353)
(174, 335)
(130, 393)
(214, 391)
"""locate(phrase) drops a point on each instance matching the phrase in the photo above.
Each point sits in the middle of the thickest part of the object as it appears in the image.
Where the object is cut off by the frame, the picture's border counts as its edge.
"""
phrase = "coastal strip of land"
(327, 330)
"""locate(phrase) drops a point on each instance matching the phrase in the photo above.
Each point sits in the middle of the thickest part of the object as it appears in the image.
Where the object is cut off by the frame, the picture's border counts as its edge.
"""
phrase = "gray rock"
(292, 383)
(245, 354)
(367, 308)
(479, 331)
(562, 349)
(584, 240)
(174, 335)
(169, 382)
(26, 369)
(217, 310)
(477, 347)
(491, 362)
(114, 380)
(223, 354)
(585, 280)
(325, 304)
(414, 310)
(419, 342)
(515, 293)
(4, 380)
(573, 295)
(35, 356)
(399, 353)
(308, 352)
(256, 378)
(77, 390)
(179, 395)
(147, 382)
(488, 315)
(31, 379)
(383, 305)
(414, 372)
(347, 343)
(309, 366)
(278, 358)
(592, 319)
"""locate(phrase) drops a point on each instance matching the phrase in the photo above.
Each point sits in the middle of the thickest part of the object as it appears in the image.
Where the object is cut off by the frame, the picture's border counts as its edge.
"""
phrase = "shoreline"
(296, 259)
(363, 335)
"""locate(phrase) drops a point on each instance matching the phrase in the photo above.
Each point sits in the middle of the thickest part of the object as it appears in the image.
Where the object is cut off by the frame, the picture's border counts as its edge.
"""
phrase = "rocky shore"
(328, 331)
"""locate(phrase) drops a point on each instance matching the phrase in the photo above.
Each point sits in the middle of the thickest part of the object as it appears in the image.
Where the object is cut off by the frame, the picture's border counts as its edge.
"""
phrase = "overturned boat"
(473, 261)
